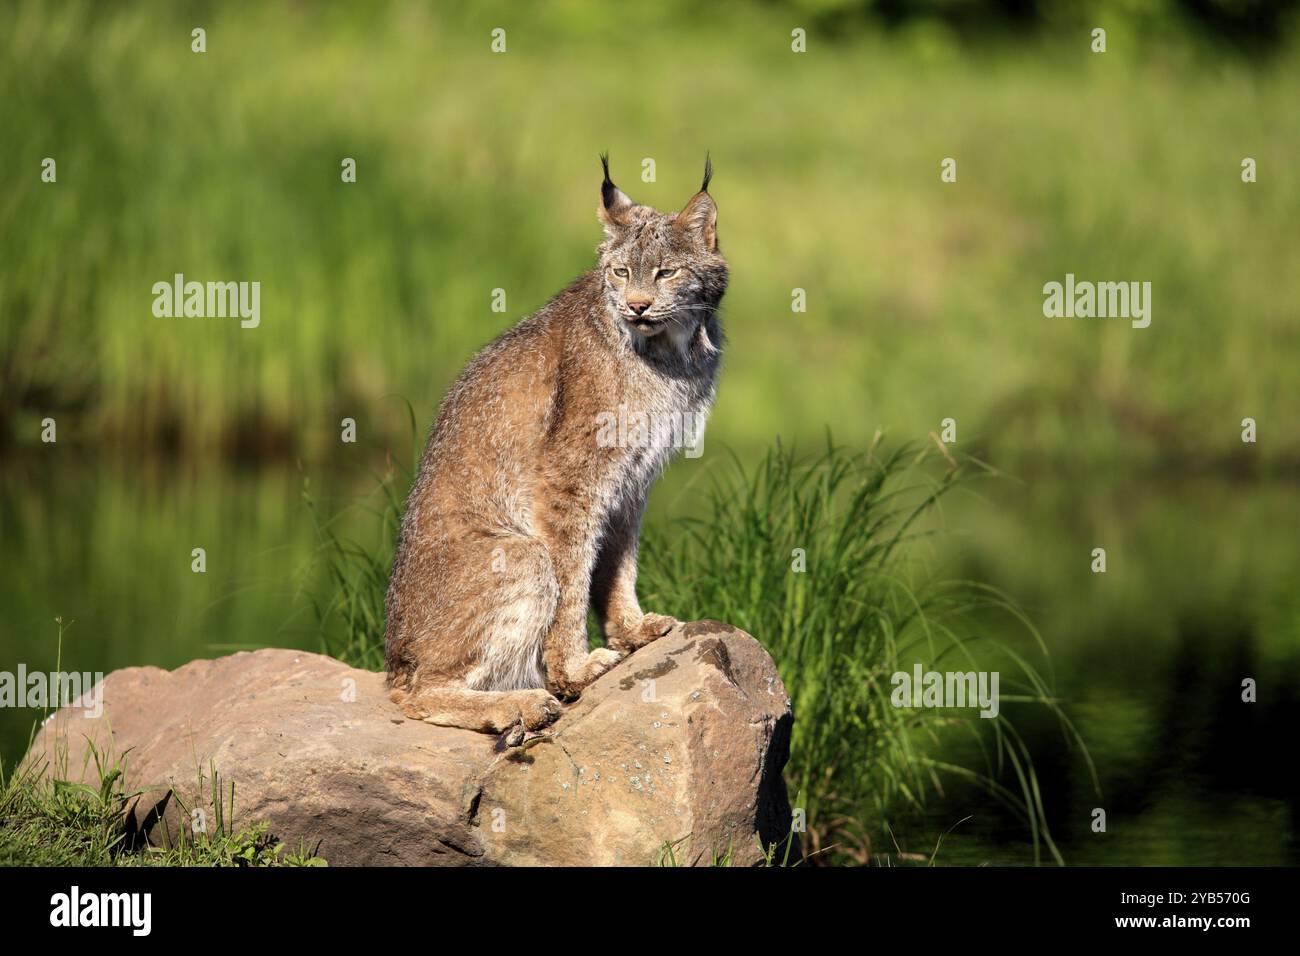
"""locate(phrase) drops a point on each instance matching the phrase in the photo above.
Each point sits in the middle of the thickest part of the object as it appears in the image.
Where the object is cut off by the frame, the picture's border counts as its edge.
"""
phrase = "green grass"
(866, 606)
(478, 171)
(46, 819)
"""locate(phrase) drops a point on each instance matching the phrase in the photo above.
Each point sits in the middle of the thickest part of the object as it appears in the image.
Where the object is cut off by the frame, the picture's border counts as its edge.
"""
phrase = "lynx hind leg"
(487, 711)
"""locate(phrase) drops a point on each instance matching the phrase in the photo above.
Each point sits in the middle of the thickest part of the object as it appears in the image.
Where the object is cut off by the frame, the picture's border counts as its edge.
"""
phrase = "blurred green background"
(478, 171)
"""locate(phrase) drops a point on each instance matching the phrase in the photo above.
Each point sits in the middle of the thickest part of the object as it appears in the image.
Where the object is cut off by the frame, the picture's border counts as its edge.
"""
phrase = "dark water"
(1201, 591)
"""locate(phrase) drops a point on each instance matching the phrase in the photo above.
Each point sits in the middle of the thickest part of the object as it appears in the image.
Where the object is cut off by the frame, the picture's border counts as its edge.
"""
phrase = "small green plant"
(222, 844)
(48, 820)
(774, 854)
(668, 855)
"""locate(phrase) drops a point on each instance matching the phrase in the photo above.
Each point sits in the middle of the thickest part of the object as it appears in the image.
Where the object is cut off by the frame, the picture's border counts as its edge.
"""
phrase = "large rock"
(681, 745)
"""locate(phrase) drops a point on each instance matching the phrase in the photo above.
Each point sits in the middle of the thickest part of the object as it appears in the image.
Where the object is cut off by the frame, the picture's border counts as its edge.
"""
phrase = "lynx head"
(662, 271)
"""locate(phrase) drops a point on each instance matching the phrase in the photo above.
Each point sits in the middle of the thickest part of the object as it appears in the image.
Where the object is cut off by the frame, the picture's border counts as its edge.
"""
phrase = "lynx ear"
(699, 217)
(614, 203)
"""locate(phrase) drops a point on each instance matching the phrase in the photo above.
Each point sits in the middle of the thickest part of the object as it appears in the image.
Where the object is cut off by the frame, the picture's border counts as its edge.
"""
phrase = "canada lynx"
(523, 513)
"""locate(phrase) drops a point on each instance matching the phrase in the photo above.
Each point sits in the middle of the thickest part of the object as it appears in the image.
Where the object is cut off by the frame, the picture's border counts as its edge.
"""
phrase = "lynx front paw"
(655, 626)
(651, 627)
(569, 686)
(601, 660)
(538, 708)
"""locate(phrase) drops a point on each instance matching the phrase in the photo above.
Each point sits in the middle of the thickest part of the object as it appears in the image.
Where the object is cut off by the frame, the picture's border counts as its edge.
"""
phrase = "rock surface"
(681, 744)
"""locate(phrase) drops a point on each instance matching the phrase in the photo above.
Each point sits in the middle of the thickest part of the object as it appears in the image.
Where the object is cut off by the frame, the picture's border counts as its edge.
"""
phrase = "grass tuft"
(865, 607)
(48, 820)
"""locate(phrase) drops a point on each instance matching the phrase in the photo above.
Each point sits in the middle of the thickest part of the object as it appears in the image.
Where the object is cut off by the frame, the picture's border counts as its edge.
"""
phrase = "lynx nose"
(639, 306)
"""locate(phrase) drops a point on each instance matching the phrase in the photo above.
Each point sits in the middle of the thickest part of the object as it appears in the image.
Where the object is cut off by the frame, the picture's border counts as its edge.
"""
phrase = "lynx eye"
(666, 273)
(621, 273)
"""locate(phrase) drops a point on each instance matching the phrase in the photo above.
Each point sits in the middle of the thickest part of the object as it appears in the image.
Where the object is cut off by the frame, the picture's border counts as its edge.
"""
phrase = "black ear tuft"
(608, 191)
(708, 172)
(615, 205)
